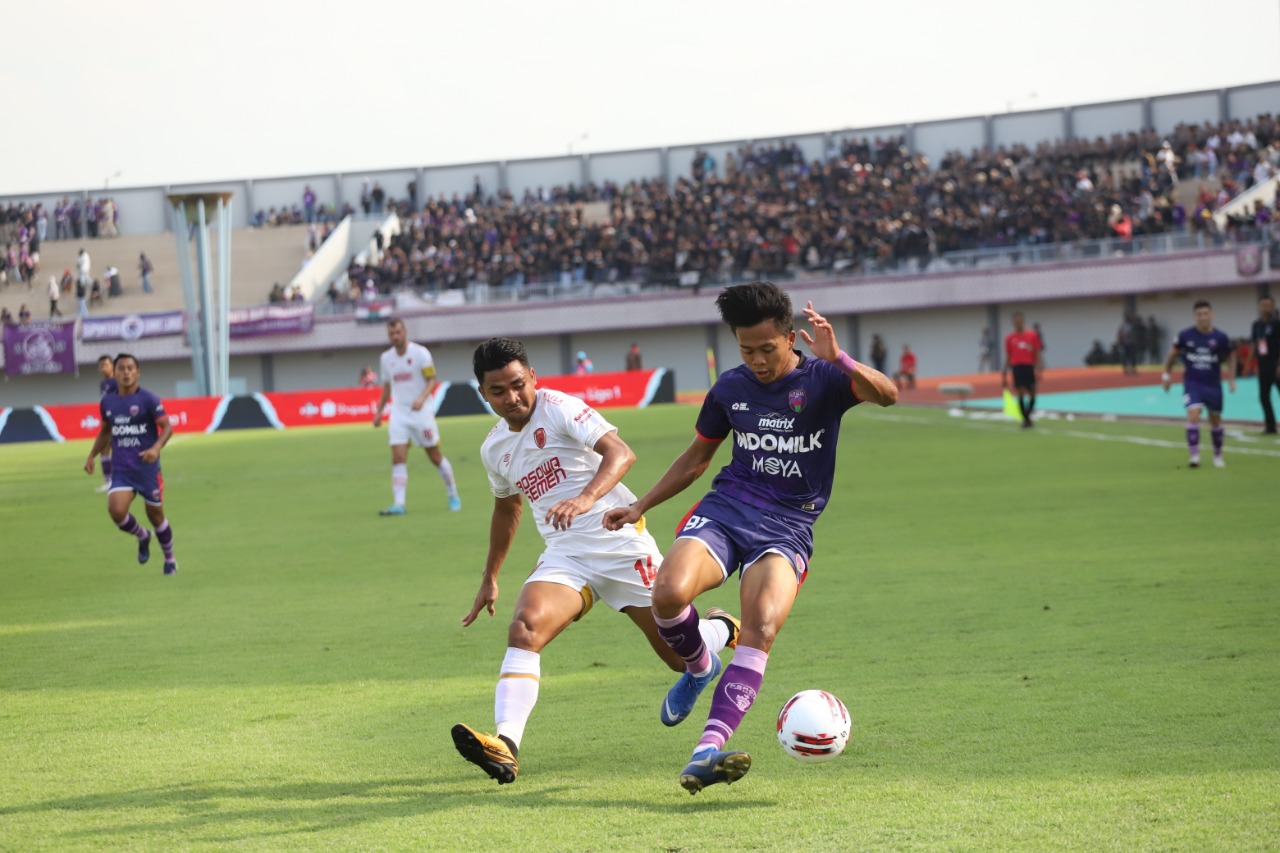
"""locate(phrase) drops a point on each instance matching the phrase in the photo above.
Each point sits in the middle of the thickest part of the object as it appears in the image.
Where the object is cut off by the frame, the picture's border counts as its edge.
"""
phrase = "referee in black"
(1266, 348)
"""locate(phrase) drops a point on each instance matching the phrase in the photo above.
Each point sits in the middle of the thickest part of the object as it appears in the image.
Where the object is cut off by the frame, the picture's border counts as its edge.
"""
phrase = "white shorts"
(410, 427)
(622, 578)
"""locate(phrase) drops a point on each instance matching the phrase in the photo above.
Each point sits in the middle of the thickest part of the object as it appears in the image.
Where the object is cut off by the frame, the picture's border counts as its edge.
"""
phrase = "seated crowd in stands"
(869, 204)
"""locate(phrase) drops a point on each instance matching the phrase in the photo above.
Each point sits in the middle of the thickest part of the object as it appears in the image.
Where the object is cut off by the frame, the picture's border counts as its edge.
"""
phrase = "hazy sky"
(170, 92)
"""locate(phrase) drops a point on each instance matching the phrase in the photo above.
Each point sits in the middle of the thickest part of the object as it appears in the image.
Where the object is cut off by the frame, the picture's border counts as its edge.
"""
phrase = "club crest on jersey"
(540, 437)
(133, 410)
(797, 399)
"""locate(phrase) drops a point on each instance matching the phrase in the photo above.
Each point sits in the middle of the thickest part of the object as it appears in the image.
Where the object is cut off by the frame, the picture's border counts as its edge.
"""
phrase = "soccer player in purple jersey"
(783, 409)
(136, 428)
(107, 386)
(1203, 350)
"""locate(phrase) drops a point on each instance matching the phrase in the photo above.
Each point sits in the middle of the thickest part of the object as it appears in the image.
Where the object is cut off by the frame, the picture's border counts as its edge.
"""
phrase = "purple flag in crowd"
(40, 347)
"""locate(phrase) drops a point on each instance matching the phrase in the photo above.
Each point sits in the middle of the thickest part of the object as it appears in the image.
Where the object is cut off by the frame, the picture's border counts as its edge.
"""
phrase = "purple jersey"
(1203, 354)
(108, 386)
(135, 425)
(784, 447)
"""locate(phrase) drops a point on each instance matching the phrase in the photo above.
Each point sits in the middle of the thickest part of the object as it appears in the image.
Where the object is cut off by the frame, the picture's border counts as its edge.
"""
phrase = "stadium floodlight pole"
(204, 289)
(224, 293)
(210, 355)
(195, 335)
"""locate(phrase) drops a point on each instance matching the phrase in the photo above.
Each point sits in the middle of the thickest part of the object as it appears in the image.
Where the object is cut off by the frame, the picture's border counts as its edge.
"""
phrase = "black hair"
(497, 353)
(394, 321)
(1203, 303)
(116, 363)
(751, 304)
(103, 358)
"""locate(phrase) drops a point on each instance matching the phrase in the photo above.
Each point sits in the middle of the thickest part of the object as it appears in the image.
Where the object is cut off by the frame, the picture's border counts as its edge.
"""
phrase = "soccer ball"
(813, 726)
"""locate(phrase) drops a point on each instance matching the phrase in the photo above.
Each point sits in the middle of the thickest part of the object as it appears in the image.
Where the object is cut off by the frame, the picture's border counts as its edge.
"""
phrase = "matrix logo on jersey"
(542, 479)
(540, 438)
(797, 400)
(776, 422)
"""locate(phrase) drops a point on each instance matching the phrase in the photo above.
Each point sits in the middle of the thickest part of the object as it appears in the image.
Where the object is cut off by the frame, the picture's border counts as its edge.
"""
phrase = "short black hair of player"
(127, 355)
(394, 321)
(1203, 303)
(103, 358)
(751, 304)
(497, 353)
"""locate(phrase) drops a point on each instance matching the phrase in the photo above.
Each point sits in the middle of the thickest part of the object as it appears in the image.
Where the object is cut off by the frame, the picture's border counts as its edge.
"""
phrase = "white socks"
(517, 692)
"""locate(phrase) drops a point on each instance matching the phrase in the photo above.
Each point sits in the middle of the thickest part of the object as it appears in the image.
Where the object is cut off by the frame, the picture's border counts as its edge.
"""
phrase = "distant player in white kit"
(408, 377)
(568, 461)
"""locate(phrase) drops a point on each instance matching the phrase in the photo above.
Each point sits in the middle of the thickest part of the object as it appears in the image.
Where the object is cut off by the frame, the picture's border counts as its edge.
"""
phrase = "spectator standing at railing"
(309, 203)
(55, 293)
(145, 269)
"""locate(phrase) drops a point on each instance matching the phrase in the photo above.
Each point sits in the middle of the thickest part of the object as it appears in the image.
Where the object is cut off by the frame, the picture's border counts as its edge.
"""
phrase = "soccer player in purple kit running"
(107, 369)
(784, 410)
(136, 428)
(1203, 350)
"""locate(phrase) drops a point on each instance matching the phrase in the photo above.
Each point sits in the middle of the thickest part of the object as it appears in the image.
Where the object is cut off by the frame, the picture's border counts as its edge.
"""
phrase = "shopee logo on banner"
(304, 408)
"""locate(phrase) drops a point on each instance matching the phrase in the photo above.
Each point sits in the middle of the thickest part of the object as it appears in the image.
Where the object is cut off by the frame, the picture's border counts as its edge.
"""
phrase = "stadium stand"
(869, 206)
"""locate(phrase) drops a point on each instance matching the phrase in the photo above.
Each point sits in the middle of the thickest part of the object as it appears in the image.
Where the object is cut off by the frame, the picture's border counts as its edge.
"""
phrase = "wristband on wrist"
(1164, 377)
(846, 363)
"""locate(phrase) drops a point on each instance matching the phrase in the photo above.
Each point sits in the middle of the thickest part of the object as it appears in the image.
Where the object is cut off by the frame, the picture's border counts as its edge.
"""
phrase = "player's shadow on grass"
(208, 812)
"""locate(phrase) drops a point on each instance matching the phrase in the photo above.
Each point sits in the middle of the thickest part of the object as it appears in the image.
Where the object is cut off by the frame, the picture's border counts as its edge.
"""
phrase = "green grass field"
(1047, 641)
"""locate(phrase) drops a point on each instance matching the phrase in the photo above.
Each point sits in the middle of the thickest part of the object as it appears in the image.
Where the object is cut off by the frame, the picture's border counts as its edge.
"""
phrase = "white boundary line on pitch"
(1075, 433)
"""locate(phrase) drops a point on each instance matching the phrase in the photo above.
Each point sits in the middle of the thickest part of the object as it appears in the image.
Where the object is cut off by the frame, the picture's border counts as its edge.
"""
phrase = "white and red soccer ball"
(813, 726)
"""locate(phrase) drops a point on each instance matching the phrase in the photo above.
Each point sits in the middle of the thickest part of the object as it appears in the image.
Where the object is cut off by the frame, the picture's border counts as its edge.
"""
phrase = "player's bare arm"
(152, 453)
(1169, 361)
(382, 404)
(426, 392)
(868, 383)
(687, 468)
(100, 443)
(502, 532)
(1230, 369)
(616, 460)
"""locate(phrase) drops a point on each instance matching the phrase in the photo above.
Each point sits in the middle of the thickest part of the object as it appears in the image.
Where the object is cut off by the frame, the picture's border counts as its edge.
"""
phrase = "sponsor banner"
(186, 414)
(131, 327)
(308, 408)
(1249, 260)
(374, 310)
(39, 348)
(272, 320)
(606, 390)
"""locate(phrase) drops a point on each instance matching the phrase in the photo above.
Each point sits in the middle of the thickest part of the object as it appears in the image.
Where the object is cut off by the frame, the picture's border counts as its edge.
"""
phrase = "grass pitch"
(1059, 639)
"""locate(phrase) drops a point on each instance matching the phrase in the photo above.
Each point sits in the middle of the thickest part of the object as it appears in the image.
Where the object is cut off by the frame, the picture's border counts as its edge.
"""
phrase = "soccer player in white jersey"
(408, 380)
(568, 461)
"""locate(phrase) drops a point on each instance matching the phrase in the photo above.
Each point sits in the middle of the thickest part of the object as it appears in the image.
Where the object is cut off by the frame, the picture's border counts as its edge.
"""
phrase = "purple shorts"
(738, 535)
(146, 481)
(1208, 396)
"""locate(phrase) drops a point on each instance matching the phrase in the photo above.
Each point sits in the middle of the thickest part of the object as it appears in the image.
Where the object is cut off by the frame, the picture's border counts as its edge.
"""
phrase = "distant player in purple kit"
(1204, 351)
(105, 387)
(784, 410)
(136, 428)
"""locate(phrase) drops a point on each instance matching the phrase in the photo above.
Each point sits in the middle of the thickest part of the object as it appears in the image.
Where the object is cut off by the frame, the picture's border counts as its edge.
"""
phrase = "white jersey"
(408, 374)
(552, 460)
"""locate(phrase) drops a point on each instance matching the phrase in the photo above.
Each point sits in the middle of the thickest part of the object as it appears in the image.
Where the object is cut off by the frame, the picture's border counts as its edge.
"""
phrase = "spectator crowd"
(869, 205)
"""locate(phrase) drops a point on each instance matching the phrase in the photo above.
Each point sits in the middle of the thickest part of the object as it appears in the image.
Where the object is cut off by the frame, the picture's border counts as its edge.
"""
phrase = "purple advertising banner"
(131, 326)
(38, 348)
(272, 320)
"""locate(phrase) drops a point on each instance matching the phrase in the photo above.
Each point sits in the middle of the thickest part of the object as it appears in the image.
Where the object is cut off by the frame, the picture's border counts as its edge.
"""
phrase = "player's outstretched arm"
(868, 383)
(616, 460)
(687, 468)
(502, 532)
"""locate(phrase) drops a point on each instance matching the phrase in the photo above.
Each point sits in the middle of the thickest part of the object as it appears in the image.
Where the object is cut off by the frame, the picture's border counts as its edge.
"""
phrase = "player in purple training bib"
(1204, 351)
(782, 410)
(107, 385)
(136, 428)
